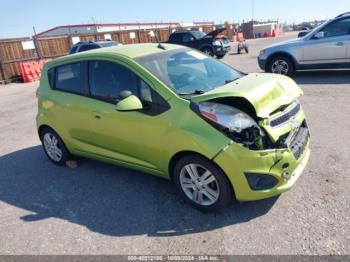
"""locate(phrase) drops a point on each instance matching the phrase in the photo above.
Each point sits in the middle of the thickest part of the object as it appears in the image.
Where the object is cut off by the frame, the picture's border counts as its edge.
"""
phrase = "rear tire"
(202, 184)
(220, 56)
(54, 147)
(281, 65)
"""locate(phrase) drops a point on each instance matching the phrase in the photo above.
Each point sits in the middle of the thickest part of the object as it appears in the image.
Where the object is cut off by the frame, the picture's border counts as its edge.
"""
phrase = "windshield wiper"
(196, 92)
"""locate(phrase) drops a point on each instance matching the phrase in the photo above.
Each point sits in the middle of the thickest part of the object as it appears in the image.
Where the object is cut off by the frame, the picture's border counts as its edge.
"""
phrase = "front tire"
(281, 65)
(54, 147)
(202, 184)
(208, 51)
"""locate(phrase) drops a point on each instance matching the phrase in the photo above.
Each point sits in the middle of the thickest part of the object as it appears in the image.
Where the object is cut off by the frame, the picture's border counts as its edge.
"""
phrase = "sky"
(18, 16)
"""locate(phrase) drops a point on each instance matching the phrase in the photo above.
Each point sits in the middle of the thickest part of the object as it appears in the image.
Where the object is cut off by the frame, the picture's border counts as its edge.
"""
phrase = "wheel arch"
(42, 127)
(280, 53)
(181, 154)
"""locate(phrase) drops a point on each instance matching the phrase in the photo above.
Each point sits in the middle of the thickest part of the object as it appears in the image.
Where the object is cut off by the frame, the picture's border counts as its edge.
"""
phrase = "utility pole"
(36, 44)
(253, 10)
(96, 31)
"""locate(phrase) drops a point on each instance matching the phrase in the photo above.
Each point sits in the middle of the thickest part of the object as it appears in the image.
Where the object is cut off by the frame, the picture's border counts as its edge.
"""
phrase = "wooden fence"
(12, 52)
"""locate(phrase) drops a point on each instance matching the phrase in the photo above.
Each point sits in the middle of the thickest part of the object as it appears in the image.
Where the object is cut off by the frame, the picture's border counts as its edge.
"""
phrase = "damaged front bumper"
(283, 166)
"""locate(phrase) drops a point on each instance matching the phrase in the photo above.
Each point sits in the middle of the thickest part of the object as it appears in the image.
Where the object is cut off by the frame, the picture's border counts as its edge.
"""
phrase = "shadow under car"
(108, 199)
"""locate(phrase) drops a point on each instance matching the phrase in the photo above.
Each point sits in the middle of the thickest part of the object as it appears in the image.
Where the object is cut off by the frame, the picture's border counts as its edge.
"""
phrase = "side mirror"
(319, 35)
(128, 102)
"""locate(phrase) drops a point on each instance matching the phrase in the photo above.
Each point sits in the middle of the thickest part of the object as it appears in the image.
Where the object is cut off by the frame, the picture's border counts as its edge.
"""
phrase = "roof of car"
(344, 14)
(131, 51)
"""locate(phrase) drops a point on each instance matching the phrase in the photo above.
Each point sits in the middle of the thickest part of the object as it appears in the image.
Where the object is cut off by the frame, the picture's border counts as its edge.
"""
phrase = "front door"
(328, 45)
(115, 134)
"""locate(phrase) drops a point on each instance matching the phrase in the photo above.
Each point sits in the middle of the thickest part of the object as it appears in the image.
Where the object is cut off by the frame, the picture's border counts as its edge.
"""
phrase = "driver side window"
(108, 79)
(338, 28)
(187, 37)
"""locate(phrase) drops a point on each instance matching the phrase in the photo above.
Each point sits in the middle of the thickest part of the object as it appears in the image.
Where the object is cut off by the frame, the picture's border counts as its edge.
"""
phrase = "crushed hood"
(266, 92)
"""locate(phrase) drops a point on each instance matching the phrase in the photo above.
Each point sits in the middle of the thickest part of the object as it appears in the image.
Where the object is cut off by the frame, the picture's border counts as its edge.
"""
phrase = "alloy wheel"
(280, 67)
(199, 184)
(52, 147)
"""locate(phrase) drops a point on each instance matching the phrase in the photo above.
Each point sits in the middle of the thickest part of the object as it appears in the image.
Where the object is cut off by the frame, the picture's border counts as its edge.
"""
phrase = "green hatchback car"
(171, 111)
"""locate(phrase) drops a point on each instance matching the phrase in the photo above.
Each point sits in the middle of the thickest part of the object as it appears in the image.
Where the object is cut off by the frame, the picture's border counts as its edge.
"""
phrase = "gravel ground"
(103, 209)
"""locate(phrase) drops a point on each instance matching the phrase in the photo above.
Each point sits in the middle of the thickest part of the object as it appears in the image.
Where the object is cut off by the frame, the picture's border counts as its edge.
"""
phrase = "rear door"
(332, 47)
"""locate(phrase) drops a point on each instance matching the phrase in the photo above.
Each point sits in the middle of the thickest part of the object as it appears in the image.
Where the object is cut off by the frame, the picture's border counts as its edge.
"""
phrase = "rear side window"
(108, 79)
(68, 78)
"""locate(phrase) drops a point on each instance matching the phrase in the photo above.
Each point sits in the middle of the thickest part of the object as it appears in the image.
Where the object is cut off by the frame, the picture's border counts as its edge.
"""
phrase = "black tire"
(284, 60)
(60, 144)
(220, 56)
(208, 51)
(225, 192)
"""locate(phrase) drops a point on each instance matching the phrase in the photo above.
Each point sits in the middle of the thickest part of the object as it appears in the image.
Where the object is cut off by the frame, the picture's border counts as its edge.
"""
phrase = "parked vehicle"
(327, 46)
(86, 46)
(201, 41)
(303, 33)
(176, 113)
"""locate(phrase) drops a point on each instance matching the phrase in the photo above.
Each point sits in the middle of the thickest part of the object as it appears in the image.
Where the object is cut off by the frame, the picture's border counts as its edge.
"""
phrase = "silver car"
(325, 47)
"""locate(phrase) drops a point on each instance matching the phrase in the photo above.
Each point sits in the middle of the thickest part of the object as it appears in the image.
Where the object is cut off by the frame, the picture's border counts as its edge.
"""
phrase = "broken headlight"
(236, 124)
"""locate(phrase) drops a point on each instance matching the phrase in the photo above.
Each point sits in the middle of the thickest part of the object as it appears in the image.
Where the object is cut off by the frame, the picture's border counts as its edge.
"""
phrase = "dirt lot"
(103, 209)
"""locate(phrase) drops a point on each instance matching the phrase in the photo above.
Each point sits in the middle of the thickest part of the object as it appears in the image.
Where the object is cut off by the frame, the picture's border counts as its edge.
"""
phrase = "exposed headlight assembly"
(217, 43)
(236, 124)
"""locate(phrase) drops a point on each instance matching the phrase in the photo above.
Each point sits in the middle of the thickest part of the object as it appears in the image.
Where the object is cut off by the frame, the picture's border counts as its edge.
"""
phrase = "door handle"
(97, 115)
(340, 44)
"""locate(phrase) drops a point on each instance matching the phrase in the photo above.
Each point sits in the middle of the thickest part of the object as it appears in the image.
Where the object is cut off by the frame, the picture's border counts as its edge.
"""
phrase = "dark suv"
(201, 41)
(85, 46)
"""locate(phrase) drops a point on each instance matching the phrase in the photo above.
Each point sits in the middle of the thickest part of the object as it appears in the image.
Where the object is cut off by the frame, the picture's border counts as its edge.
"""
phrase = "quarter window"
(145, 92)
(68, 78)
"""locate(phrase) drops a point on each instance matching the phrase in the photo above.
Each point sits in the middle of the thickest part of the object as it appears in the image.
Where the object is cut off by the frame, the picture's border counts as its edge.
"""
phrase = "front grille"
(299, 142)
(286, 116)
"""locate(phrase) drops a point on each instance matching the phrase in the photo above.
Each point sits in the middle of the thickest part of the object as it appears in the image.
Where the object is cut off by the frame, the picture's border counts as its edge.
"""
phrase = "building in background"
(85, 29)
(260, 29)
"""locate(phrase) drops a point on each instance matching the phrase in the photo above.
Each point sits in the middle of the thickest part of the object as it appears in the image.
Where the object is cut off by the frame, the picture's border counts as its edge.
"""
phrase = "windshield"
(188, 72)
(198, 34)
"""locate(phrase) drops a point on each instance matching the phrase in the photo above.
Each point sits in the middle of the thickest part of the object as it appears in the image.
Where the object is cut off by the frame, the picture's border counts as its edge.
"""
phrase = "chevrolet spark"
(173, 112)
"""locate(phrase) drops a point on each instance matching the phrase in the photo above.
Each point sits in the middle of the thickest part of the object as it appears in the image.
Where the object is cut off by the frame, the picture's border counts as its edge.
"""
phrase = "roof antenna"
(152, 34)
